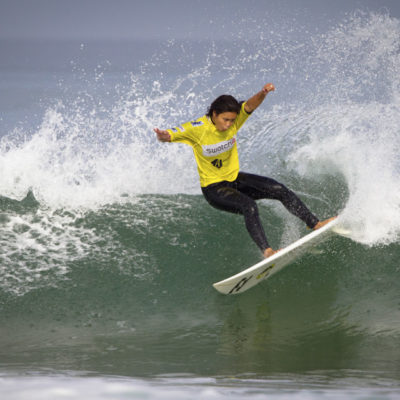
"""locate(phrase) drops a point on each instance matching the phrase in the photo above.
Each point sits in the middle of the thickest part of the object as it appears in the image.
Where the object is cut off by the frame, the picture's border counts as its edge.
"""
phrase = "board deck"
(266, 268)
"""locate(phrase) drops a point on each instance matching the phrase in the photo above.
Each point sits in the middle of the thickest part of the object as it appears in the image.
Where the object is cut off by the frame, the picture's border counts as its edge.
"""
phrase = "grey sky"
(168, 19)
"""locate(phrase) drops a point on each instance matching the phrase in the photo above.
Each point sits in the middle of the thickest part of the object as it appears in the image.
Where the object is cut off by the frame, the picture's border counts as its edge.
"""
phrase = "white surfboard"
(252, 276)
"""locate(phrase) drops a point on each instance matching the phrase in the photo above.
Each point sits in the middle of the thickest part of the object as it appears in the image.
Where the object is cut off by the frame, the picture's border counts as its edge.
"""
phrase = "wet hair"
(224, 103)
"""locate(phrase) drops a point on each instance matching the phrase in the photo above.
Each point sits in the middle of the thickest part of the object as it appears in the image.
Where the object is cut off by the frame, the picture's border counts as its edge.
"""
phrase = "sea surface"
(109, 251)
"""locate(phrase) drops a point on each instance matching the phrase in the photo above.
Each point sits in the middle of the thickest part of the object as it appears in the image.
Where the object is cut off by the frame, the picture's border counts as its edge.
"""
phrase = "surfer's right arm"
(162, 135)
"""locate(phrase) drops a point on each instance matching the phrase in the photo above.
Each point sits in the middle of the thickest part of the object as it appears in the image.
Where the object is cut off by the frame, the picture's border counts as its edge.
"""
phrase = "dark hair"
(224, 103)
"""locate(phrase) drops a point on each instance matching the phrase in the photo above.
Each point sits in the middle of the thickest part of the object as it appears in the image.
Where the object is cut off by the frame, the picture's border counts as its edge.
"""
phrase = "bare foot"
(270, 252)
(320, 224)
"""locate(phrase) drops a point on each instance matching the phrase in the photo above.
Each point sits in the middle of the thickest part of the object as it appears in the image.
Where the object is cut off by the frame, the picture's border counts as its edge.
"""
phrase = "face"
(224, 120)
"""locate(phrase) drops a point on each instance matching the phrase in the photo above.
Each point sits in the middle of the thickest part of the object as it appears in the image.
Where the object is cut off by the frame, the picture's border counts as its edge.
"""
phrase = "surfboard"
(250, 277)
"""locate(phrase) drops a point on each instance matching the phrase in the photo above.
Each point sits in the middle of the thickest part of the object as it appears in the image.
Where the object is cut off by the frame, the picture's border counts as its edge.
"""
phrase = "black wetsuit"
(239, 197)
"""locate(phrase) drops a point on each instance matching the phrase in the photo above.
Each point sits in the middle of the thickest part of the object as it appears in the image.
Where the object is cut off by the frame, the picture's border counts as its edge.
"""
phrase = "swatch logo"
(210, 150)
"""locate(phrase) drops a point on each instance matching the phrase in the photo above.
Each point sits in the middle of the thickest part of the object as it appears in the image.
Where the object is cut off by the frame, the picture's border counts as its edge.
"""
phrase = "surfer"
(224, 186)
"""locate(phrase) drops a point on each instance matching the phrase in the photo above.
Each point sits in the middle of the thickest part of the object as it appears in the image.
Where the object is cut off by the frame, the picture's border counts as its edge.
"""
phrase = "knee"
(250, 209)
(281, 192)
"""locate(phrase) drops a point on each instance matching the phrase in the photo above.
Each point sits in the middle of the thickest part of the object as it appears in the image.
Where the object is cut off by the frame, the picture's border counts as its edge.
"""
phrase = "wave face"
(109, 251)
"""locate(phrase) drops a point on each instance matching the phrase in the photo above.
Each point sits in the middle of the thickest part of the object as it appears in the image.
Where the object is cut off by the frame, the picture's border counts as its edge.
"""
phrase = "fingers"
(162, 135)
(269, 87)
(160, 131)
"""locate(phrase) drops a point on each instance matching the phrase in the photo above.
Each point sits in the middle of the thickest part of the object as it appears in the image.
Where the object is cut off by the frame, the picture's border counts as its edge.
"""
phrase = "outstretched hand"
(269, 87)
(162, 135)
(253, 102)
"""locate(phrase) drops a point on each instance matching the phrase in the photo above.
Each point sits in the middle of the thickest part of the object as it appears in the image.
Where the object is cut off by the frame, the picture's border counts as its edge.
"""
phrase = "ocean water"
(109, 251)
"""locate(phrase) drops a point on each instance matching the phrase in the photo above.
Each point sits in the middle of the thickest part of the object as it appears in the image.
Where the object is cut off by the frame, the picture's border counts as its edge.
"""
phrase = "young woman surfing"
(213, 139)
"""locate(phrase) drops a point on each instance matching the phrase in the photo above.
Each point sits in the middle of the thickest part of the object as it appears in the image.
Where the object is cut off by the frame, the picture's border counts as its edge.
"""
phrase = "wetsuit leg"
(261, 187)
(239, 197)
(225, 196)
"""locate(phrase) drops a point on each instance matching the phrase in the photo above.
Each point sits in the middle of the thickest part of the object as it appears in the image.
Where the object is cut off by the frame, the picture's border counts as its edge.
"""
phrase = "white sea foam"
(355, 132)
(361, 143)
(41, 244)
(66, 164)
(298, 387)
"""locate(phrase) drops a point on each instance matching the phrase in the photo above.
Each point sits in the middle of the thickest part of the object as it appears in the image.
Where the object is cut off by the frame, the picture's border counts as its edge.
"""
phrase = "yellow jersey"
(215, 151)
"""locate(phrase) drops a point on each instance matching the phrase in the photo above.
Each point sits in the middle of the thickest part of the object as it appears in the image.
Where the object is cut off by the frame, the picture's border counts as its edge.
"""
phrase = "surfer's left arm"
(253, 102)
